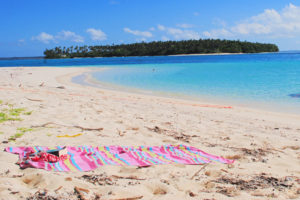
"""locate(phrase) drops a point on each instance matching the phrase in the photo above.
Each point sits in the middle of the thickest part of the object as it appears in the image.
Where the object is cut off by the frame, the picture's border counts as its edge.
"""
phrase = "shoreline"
(196, 54)
(264, 145)
(88, 80)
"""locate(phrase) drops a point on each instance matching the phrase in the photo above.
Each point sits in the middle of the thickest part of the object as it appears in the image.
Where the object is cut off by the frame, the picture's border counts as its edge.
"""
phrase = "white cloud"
(144, 34)
(185, 25)
(21, 42)
(44, 37)
(112, 2)
(196, 13)
(63, 35)
(71, 36)
(96, 34)
(179, 34)
(161, 27)
(270, 23)
(217, 33)
(219, 22)
(165, 38)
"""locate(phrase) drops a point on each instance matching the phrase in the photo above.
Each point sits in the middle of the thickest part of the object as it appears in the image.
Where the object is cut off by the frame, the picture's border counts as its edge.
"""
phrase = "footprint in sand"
(34, 181)
(157, 189)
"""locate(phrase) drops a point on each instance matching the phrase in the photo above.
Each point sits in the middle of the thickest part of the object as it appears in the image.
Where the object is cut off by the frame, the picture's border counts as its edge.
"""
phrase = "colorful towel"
(86, 158)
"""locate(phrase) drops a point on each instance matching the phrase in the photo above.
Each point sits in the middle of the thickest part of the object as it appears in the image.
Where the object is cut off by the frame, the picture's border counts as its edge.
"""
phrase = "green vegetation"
(28, 113)
(24, 130)
(1, 102)
(16, 111)
(12, 114)
(158, 48)
(14, 137)
(5, 117)
(20, 132)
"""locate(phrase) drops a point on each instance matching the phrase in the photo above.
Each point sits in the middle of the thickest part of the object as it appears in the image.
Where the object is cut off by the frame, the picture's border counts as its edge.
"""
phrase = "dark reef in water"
(295, 95)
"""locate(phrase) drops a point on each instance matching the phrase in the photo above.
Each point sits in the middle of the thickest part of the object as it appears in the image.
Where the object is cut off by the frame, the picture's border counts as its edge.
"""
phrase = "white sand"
(260, 141)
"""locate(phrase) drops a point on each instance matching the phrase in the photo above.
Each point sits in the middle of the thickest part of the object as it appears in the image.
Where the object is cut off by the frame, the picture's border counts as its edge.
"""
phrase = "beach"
(265, 145)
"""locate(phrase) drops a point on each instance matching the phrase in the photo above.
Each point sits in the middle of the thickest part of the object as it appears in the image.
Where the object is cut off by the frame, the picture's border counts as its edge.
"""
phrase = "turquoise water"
(270, 80)
(267, 84)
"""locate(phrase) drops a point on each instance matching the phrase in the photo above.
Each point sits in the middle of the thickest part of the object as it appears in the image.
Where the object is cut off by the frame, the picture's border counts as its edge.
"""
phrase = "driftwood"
(76, 126)
(78, 191)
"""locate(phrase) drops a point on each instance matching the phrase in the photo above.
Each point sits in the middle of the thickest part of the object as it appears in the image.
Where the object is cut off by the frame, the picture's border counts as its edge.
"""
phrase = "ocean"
(266, 80)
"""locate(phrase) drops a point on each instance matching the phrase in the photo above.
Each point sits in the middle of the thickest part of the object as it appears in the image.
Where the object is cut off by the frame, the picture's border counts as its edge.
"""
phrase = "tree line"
(159, 48)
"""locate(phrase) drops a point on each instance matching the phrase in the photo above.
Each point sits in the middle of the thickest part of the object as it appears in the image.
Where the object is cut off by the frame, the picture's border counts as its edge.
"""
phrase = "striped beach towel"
(86, 158)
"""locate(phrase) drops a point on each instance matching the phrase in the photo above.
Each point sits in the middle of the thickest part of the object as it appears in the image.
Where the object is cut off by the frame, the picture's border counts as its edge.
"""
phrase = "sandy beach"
(265, 145)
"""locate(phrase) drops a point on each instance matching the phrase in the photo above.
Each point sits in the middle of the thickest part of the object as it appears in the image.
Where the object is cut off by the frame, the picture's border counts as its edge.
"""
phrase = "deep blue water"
(282, 56)
(269, 79)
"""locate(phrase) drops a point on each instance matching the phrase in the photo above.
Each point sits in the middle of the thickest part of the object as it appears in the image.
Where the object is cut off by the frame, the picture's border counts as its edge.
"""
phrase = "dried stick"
(130, 198)
(34, 99)
(80, 195)
(88, 129)
(76, 126)
(58, 188)
(128, 177)
(198, 171)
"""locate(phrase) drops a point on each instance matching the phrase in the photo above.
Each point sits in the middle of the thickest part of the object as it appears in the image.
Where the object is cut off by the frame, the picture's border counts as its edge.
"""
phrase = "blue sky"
(29, 27)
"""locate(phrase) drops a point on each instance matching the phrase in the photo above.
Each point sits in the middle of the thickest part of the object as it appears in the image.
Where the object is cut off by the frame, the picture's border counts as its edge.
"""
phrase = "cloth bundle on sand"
(86, 158)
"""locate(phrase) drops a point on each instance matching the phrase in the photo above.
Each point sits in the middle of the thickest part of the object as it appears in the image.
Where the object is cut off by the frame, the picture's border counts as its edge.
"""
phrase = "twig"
(88, 129)
(224, 170)
(76, 126)
(34, 99)
(128, 177)
(83, 189)
(45, 125)
(198, 171)
(130, 198)
(120, 133)
(58, 188)
(80, 195)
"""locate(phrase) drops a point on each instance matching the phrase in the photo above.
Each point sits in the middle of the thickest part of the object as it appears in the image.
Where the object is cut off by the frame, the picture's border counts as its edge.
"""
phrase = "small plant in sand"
(6, 117)
(1, 133)
(28, 113)
(24, 130)
(1, 102)
(20, 132)
(16, 111)
(12, 114)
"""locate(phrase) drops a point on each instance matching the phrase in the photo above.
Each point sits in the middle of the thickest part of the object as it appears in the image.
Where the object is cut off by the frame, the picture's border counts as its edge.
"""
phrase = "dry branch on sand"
(75, 126)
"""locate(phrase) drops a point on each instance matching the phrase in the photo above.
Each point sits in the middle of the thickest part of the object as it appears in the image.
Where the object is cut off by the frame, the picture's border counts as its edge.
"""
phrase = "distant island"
(159, 48)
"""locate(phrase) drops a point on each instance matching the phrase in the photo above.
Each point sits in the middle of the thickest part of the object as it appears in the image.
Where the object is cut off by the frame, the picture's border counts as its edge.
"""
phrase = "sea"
(268, 81)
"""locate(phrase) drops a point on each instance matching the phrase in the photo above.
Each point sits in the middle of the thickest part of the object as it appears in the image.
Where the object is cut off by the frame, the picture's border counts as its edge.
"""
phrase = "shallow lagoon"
(263, 80)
